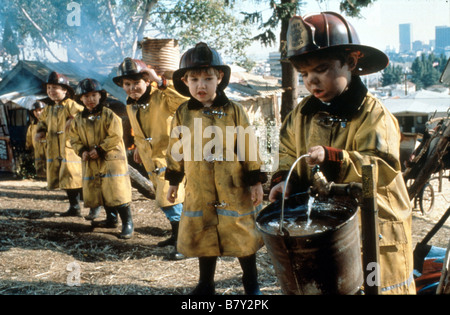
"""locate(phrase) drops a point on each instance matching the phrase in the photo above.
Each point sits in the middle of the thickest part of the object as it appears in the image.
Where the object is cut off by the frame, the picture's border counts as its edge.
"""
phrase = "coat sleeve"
(377, 142)
(174, 158)
(75, 139)
(248, 149)
(172, 98)
(114, 133)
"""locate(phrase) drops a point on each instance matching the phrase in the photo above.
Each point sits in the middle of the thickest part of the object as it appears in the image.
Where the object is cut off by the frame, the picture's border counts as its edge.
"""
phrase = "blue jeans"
(173, 213)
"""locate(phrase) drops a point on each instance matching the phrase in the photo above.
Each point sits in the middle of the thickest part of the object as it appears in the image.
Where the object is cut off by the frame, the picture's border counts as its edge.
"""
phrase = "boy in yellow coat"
(343, 127)
(151, 103)
(63, 165)
(223, 179)
(38, 147)
(97, 137)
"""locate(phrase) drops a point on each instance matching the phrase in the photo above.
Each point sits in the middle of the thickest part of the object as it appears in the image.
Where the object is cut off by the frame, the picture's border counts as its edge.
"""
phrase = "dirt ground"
(41, 253)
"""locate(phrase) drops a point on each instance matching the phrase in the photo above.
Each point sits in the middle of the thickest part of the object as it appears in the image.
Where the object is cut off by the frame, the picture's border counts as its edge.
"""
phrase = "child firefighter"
(343, 127)
(151, 103)
(223, 186)
(38, 147)
(63, 165)
(97, 137)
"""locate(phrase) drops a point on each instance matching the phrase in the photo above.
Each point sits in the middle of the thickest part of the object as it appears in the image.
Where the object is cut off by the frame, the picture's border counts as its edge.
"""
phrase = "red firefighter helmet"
(330, 31)
(60, 79)
(201, 56)
(129, 68)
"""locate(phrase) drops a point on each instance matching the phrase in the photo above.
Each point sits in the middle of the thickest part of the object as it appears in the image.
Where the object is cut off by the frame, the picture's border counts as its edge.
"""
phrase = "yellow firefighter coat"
(218, 217)
(106, 181)
(150, 118)
(63, 165)
(371, 136)
(38, 148)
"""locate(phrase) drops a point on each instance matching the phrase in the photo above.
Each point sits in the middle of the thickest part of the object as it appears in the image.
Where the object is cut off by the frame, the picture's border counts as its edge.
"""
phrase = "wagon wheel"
(426, 199)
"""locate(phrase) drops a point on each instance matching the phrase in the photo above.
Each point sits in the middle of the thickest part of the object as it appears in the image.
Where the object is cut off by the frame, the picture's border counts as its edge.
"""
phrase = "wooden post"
(370, 234)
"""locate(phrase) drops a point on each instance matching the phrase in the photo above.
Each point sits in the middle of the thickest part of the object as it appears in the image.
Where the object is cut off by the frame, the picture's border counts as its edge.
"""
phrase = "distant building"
(442, 38)
(275, 64)
(405, 37)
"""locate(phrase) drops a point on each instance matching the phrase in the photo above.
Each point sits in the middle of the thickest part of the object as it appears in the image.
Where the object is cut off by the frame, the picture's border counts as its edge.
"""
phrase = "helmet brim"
(183, 89)
(372, 59)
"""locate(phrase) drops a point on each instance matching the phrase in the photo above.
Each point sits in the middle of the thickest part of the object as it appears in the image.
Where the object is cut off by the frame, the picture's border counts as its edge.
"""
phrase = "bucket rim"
(305, 236)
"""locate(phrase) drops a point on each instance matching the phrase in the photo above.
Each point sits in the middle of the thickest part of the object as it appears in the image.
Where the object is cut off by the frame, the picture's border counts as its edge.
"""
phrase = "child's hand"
(93, 154)
(39, 136)
(172, 194)
(257, 193)
(136, 156)
(85, 156)
(317, 156)
(277, 190)
(151, 74)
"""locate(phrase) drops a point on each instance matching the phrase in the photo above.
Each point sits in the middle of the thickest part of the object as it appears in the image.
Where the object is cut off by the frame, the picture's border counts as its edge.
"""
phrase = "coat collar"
(345, 105)
(220, 100)
(144, 99)
(95, 112)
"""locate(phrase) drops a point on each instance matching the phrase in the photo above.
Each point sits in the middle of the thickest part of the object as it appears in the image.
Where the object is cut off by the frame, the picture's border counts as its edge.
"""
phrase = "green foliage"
(427, 69)
(392, 75)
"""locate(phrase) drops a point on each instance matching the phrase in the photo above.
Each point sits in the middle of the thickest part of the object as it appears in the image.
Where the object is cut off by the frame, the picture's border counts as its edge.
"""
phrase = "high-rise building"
(405, 37)
(442, 38)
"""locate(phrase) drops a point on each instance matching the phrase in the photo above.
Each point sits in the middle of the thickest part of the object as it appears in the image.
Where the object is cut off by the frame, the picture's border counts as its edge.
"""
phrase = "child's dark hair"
(338, 54)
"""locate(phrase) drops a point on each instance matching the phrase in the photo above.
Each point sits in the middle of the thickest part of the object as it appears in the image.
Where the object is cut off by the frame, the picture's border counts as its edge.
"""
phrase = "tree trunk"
(289, 76)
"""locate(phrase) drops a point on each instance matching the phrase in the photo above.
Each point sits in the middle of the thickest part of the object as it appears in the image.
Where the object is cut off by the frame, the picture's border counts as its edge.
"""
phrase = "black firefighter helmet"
(60, 79)
(129, 68)
(89, 85)
(201, 56)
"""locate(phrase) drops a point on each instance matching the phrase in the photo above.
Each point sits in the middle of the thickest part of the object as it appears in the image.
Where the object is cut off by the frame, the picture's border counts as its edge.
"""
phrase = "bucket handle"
(284, 191)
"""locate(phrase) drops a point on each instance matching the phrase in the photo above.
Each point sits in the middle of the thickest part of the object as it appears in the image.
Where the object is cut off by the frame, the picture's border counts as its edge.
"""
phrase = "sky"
(379, 25)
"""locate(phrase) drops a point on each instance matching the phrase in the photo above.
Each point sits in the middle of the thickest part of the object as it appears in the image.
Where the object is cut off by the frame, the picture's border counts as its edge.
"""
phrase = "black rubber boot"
(127, 221)
(250, 275)
(110, 222)
(206, 286)
(74, 196)
(93, 213)
(172, 240)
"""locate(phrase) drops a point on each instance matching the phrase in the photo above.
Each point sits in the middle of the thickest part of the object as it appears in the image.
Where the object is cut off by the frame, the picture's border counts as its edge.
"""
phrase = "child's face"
(326, 78)
(135, 88)
(203, 85)
(56, 92)
(91, 99)
(37, 112)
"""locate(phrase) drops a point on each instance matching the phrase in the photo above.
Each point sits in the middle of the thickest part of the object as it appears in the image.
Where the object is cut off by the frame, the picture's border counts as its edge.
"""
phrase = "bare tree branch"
(44, 39)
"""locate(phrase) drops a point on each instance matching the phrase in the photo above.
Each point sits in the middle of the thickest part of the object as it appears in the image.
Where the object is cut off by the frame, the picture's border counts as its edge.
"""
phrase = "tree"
(392, 75)
(106, 31)
(427, 69)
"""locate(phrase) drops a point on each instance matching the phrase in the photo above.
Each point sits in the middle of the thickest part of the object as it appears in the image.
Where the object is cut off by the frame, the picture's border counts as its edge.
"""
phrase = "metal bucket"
(323, 263)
